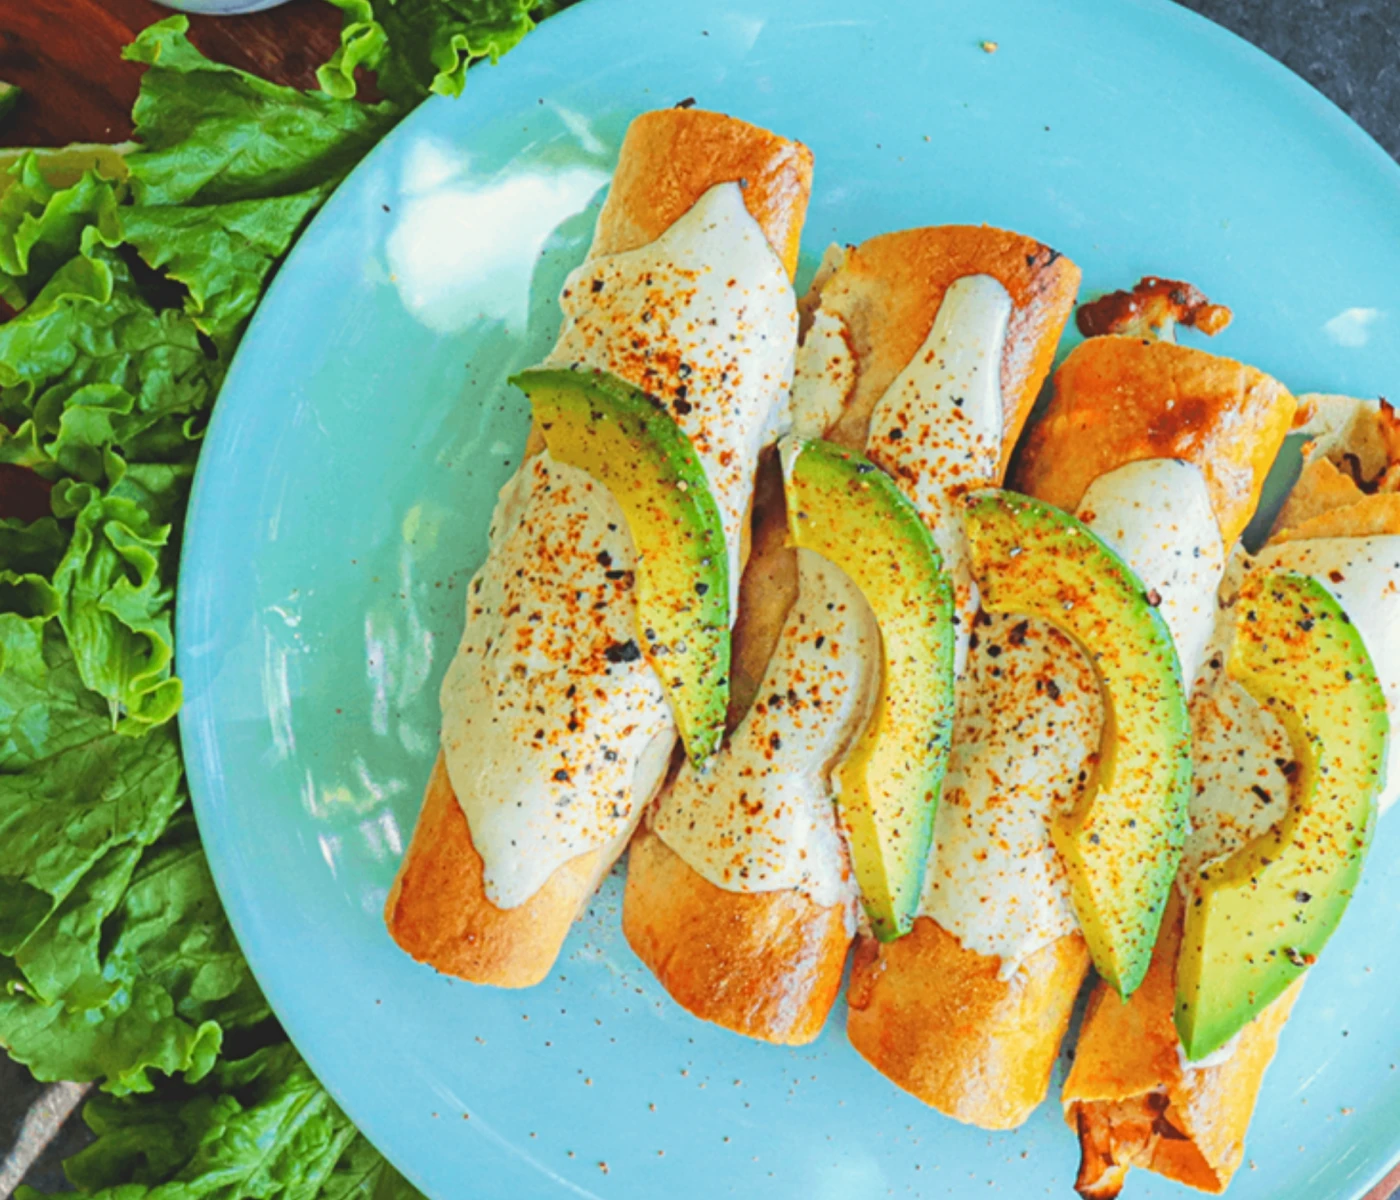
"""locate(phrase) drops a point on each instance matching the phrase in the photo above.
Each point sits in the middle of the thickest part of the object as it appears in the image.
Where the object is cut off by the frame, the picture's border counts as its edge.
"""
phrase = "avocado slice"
(1256, 919)
(1121, 845)
(629, 442)
(843, 507)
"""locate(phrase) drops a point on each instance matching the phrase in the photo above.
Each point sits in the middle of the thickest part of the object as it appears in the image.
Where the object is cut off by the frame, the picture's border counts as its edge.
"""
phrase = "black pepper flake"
(896, 435)
(701, 588)
(571, 691)
(1306, 624)
(597, 286)
(1017, 636)
(622, 652)
(561, 776)
(1154, 598)
(993, 651)
(864, 468)
(775, 742)
(1094, 838)
(1053, 689)
(610, 755)
(1262, 792)
(688, 102)
(821, 641)
(1302, 897)
(681, 404)
(604, 558)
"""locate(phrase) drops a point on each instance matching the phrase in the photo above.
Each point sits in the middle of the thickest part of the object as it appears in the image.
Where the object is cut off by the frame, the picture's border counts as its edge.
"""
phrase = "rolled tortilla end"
(438, 910)
(1135, 1103)
(734, 962)
(938, 1020)
(673, 156)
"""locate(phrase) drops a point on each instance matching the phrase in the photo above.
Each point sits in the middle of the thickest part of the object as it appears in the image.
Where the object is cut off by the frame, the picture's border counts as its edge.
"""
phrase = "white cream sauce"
(1241, 748)
(937, 429)
(1157, 514)
(1026, 733)
(760, 817)
(555, 734)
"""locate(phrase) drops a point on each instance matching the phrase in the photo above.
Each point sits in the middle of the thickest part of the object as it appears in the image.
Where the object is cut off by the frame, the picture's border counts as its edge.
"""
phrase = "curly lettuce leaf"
(258, 1127)
(212, 134)
(222, 253)
(72, 791)
(160, 978)
(92, 366)
(41, 225)
(420, 46)
(116, 603)
(30, 552)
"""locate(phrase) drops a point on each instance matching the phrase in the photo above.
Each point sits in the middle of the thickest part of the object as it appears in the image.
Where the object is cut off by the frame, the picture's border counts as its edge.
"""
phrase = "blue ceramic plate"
(344, 492)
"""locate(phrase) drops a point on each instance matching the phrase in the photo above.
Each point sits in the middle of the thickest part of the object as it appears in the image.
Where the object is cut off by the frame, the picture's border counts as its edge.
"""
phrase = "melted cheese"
(555, 741)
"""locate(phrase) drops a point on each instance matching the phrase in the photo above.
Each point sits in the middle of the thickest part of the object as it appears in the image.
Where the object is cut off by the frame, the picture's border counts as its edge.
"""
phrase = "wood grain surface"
(66, 55)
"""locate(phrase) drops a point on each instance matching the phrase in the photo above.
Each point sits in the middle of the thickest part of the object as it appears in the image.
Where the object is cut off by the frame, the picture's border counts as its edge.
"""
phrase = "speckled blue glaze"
(345, 487)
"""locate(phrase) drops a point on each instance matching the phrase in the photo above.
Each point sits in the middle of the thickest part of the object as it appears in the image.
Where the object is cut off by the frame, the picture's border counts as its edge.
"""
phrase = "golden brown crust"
(1118, 400)
(734, 945)
(934, 1018)
(438, 912)
(760, 958)
(672, 156)
(1133, 1104)
(888, 292)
